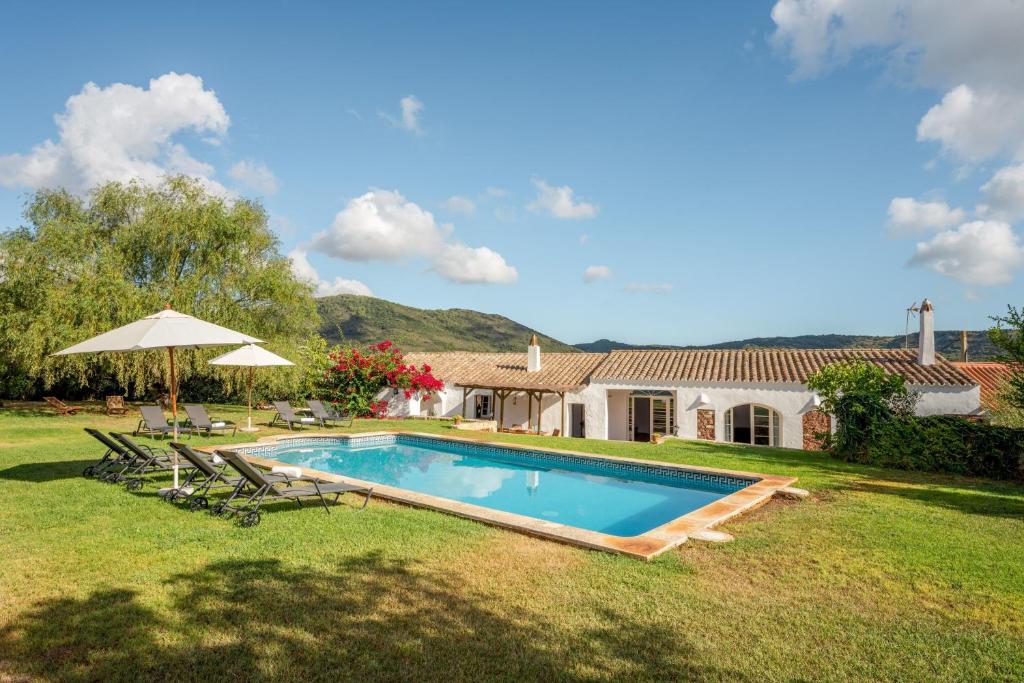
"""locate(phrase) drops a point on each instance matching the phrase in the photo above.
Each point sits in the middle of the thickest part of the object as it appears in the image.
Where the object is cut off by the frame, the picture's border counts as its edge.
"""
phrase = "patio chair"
(153, 422)
(328, 414)
(61, 407)
(145, 460)
(116, 406)
(207, 474)
(286, 414)
(199, 420)
(115, 456)
(261, 487)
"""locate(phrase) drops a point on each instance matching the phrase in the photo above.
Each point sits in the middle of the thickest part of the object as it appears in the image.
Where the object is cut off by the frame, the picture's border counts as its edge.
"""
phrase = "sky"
(658, 172)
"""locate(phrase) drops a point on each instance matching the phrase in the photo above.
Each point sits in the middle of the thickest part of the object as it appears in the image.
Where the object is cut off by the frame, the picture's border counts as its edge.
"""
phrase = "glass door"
(659, 416)
(762, 420)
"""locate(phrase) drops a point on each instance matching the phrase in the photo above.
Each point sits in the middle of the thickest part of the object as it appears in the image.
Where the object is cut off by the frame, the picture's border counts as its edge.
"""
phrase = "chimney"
(963, 346)
(533, 355)
(926, 338)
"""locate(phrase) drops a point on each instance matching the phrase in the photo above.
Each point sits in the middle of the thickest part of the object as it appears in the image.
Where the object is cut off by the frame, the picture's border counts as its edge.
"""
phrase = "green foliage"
(366, 320)
(860, 396)
(82, 266)
(356, 377)
(1008, 336)
(945, 443)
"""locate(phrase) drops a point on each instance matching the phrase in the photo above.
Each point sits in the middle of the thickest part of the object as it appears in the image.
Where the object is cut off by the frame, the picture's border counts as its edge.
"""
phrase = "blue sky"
(724, 170)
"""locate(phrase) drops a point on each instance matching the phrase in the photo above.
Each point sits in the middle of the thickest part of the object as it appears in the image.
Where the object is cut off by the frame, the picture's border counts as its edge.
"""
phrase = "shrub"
(356, 377)
(942, 443)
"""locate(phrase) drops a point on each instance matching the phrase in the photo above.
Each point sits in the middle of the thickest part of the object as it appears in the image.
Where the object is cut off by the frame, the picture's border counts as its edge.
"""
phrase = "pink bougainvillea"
(357, 376)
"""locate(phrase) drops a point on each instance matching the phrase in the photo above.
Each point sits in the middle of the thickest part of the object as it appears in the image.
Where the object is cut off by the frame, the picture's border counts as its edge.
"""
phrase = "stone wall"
(815, 421)
(705, 424)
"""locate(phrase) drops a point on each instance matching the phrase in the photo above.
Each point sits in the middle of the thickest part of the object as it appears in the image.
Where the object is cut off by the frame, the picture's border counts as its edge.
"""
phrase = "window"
(753, 424)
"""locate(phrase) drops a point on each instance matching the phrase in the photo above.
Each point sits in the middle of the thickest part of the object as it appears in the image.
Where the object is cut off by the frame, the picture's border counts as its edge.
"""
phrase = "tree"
(357, 376)
(860, 396)
(1008, 336)
(85, 265)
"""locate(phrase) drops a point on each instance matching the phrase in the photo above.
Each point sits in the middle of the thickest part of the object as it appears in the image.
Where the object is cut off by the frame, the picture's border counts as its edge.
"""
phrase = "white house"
(743, 396)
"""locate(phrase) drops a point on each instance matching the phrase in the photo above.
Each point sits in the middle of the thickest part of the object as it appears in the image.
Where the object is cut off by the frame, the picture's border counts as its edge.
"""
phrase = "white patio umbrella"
(252, 357)
(169, 330)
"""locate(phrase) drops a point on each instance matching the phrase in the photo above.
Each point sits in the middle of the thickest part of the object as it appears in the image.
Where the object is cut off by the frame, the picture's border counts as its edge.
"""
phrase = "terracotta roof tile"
(991, 377)
(767, 365)
(559, 371)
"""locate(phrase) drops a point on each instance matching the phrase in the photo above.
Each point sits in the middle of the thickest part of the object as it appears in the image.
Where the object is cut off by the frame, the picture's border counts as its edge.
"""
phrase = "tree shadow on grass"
(40, 472)
(970, 499)
(370, 618)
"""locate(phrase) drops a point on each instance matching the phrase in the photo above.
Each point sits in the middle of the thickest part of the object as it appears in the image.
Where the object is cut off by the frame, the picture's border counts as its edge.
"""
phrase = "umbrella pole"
(250, 398)
(174, 409)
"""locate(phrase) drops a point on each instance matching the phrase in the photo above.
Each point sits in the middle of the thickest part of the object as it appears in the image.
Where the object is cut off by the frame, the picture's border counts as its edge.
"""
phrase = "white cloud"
(505, 214)
(656, 287)
(459, 204)
(936, 43)
(977, 253)
(595, 273)
(560, 202)
(969, 49)
(907, 216)
(305, 271)
(1005, 193)
(494, 191)
(254, 175)
(120, 133)
(976, 124)
(410, 118)
(382, 225)
(467, 265)
(971, 52)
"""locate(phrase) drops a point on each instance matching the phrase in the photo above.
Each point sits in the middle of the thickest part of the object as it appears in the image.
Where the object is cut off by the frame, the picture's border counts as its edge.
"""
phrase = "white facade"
(605, 406)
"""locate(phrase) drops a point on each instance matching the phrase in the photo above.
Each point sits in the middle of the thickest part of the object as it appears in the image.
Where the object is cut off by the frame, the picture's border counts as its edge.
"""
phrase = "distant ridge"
(364, 320)
(947, 342)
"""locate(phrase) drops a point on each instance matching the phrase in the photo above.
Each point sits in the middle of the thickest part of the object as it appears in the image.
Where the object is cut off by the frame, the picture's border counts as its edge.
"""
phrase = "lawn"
(879, 575)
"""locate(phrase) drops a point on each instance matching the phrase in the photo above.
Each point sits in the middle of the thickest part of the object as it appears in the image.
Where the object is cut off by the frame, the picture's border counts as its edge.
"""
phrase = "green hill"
(947, 342)
(364, 320)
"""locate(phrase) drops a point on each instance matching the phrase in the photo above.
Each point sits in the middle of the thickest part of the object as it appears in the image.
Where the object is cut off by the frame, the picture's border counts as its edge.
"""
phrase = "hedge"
(942, 444)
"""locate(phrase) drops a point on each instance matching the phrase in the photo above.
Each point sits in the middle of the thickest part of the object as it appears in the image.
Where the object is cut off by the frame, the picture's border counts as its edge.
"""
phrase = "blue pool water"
(622, 500)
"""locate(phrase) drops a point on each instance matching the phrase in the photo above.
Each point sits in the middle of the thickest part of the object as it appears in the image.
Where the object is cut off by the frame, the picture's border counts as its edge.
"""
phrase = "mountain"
(364, 320)
(947, 342)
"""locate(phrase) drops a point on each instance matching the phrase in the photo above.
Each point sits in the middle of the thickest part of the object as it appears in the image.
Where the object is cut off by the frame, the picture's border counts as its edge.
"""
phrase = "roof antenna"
(913, 309)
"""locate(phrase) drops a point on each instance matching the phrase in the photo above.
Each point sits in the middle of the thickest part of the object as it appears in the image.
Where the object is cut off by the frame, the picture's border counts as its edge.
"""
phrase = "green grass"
(880, 575)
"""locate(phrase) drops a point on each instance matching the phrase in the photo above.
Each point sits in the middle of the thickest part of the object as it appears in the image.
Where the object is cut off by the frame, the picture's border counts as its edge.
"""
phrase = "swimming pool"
(632, 506)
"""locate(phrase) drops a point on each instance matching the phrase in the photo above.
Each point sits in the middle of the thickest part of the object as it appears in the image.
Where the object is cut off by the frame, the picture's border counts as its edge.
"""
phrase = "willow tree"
(83, 265)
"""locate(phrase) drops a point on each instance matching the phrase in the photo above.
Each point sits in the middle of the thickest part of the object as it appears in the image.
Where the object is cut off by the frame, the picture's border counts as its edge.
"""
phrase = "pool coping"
(646, 546)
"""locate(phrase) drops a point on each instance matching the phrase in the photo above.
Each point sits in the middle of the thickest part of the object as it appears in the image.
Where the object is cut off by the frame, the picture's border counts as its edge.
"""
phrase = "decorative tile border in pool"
(748, 490)
(539, 458)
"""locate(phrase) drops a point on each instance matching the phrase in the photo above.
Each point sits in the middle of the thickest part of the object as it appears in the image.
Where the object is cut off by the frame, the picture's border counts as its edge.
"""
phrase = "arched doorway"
(753, 424)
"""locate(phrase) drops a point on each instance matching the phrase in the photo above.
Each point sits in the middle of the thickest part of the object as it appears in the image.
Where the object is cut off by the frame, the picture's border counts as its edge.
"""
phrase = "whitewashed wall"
(606, 406)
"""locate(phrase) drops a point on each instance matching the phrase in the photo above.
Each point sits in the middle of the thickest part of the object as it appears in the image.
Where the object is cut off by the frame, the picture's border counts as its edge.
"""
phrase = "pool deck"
(696, 524)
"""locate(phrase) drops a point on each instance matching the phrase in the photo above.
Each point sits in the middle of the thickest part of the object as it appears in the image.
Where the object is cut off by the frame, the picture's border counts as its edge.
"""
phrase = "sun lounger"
(146, 460)
(286, 414)
(116, 406)
(153, 422)
(327, 414)
(200, 421)
(206, 475)
(261, 487)
(116, 456)
(61, 407)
